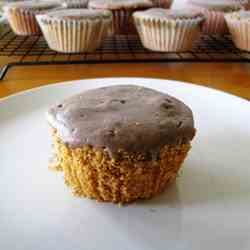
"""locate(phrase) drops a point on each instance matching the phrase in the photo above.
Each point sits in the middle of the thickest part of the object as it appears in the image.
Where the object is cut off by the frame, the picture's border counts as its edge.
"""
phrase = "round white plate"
(208, 208)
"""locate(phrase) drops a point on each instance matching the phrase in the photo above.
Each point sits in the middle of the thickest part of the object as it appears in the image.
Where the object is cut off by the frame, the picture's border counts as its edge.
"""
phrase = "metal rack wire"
(33, 50)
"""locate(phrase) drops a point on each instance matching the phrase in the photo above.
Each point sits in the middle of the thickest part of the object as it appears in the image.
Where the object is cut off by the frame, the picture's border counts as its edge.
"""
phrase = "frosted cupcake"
(120, 143)
(4, 26)
(75, 4)
(75, 30)
(244, 3)
(166, 4)
(239, 27)
(168, 30)
(21, 15)
(214, 11)
(122, 11)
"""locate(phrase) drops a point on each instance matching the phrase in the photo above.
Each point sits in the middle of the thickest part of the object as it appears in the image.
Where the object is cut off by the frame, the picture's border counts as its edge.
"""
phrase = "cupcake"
(239, 27)
(75, 4)
(122, 11)
(166, 4)
(120, 143)
(4, 26)
(214, 11)
(75, 30)
(245, 3)
(21, 15)
(168, 30)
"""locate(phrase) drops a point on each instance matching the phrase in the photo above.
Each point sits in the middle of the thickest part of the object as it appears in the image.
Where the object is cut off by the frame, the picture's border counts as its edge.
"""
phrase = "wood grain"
(231, 78)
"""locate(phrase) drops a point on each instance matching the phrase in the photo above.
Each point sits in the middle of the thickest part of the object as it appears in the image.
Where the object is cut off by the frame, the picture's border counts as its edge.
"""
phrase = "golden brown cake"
(21, 15)
(120, 143)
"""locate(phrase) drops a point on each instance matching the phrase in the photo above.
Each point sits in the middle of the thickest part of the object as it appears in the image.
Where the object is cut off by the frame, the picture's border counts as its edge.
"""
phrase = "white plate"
(208, 208)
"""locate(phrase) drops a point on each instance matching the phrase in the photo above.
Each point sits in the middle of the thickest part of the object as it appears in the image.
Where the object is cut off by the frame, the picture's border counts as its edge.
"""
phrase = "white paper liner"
(73, 36)
(23, 22)
(168, 35)
(240, 31)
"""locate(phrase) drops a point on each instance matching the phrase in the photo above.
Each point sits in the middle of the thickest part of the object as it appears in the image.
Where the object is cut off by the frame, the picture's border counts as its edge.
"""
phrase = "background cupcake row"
(75, 31)
(21, 14)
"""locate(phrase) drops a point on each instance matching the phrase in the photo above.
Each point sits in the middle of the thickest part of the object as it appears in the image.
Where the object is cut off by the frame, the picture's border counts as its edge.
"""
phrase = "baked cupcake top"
(240, 15)
(218, 5)
(168, 14)
(32, 5)
(119, 4)
(75, 3)
(122, 118)
(77, 14)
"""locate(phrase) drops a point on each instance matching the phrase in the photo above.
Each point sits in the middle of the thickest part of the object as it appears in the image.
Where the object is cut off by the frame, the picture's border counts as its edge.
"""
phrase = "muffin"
(166, 4)
(75, 4)
(122, 11)
(75, 30)
(244, 3)
(239, 27)
(168, 30)
(214, 11)
(4, 26)
(21, 15)
(120, 143)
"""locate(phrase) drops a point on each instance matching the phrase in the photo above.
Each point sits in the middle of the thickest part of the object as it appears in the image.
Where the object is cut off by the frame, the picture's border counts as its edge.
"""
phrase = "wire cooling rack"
(33, 50)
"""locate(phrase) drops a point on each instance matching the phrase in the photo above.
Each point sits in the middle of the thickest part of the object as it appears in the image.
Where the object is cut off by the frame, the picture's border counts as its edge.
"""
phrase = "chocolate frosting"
(77, 14)
(119, 4)
(75, 3)
(169, 14)
(130, 118)
(39, 5)
(219, 5)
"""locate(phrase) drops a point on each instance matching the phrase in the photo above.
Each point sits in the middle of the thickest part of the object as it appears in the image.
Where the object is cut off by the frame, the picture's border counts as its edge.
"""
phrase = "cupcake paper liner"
(123, 22)
(23, 22)
(73, 36)
(215, 22)
(162, 3)
(168, 35)
(240, 31)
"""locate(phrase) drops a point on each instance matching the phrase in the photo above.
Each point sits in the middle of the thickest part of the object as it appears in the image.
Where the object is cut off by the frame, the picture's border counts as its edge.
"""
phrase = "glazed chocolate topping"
(119, 4)
(130, 118)
(38, 5)
(219, 5)
(78, 14)
(169, 14)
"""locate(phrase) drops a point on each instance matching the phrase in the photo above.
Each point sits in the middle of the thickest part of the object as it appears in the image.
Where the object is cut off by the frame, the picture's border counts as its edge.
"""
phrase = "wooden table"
(231, 78)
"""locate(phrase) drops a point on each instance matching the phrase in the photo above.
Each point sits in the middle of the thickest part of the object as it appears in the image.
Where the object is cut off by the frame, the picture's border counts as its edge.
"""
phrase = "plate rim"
(64, 83)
